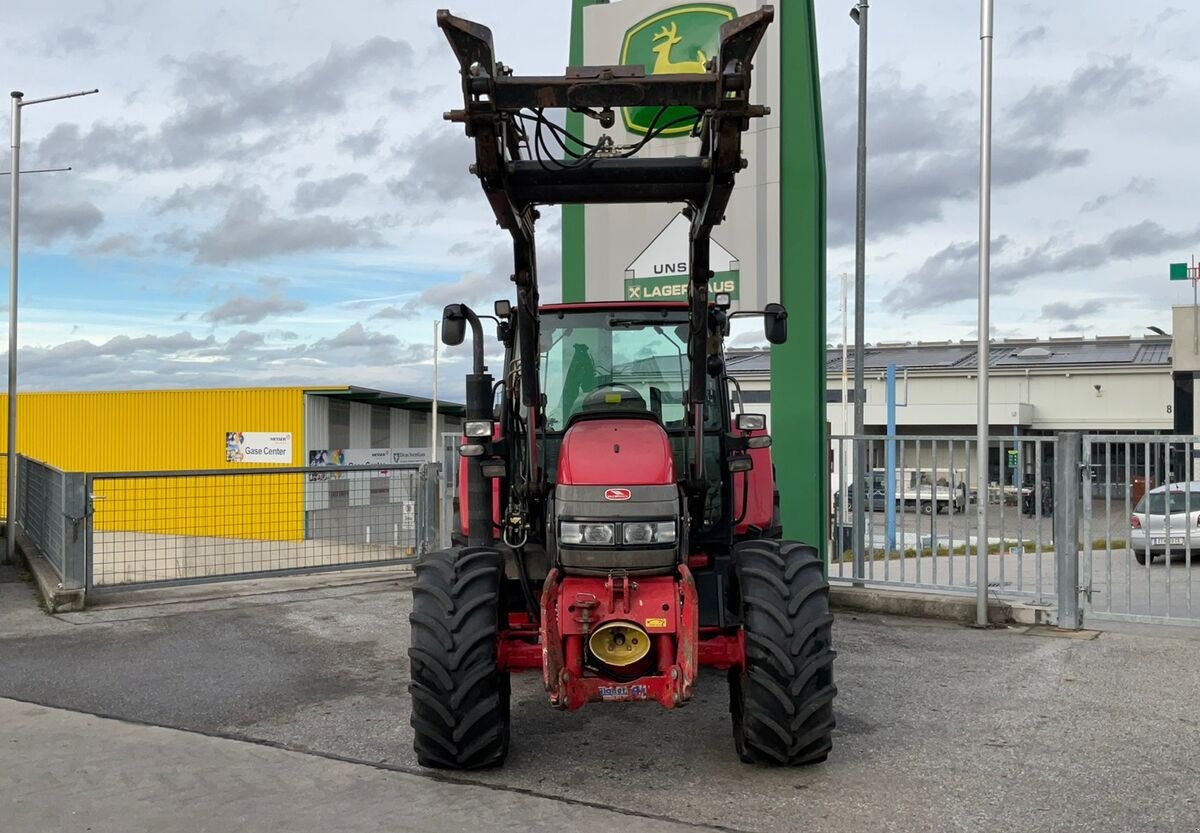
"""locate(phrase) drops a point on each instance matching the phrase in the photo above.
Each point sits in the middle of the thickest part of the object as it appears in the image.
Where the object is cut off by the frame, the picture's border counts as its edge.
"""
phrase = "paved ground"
(940, 728)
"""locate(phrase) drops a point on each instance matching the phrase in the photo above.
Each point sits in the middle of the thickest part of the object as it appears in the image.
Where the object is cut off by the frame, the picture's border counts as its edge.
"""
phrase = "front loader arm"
(515, 177)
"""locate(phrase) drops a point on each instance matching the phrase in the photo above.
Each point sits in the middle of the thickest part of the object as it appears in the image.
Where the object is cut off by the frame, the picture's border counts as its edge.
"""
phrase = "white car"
(1166, 519)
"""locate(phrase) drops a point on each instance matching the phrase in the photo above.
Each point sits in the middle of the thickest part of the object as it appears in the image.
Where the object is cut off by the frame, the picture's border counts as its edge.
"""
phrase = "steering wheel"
(595, 398)
(629, 388)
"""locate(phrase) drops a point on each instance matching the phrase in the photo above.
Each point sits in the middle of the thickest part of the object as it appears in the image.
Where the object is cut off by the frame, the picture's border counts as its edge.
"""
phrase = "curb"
(949, 608)
(57, 598)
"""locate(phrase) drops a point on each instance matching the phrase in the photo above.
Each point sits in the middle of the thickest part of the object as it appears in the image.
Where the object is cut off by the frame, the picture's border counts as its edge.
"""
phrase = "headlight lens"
(590, 534)
(478, 428)
(648, 532)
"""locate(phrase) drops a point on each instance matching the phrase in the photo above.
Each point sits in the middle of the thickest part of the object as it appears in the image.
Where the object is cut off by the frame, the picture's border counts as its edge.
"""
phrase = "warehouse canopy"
(408, 402)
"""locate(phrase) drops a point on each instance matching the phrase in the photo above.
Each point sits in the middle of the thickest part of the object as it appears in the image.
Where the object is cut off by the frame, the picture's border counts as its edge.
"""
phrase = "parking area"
(939, 727)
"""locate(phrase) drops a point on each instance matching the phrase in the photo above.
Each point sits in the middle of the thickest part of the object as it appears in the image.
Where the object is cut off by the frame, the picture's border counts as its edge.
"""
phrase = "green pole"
(801, 442)
(574, 282)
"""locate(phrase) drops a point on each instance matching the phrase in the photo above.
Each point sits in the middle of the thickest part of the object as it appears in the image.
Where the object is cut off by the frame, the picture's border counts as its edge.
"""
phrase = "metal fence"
(920, 527)
(1143, 535)
(51, 511)
(183, 527)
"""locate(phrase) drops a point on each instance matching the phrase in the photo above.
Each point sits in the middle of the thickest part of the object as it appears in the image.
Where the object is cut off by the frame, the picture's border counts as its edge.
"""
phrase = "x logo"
(635, 292)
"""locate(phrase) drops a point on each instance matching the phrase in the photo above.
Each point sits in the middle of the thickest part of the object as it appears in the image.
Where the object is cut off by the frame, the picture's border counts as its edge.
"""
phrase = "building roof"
(1009, 354)
(389, 399)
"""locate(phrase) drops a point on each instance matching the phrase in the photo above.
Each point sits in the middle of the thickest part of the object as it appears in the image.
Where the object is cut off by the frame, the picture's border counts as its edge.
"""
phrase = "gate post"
(1066, 529)
(428, 506)
(74, 521)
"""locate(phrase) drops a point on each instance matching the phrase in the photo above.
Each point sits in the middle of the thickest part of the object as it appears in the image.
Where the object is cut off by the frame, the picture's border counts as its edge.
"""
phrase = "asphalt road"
(939, 727)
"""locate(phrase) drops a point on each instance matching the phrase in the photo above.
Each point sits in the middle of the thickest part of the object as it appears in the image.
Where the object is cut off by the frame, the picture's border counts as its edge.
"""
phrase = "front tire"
(460, 698)
(782, 701)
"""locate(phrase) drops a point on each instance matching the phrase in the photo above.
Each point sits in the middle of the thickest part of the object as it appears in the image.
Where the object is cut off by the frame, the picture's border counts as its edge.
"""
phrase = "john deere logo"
(680, 39)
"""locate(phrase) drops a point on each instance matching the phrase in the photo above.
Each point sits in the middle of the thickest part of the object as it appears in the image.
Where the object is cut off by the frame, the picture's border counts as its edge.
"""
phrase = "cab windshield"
(629, 360)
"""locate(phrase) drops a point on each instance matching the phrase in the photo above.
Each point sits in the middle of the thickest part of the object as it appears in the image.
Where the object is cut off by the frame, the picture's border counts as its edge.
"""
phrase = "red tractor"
(618, 509)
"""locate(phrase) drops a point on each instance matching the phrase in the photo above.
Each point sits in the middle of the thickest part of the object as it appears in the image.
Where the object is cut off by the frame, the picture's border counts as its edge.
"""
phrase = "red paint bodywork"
(464, 501)
(759, 499)
(573, 606)
(615, 452)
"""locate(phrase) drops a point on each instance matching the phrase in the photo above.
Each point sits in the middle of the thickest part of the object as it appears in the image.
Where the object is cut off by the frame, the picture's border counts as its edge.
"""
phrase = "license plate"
(1158, 542)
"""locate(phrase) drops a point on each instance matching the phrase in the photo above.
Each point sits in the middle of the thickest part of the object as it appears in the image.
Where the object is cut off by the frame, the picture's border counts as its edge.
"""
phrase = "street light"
(14, 215)
(859, 15)
(985, 256)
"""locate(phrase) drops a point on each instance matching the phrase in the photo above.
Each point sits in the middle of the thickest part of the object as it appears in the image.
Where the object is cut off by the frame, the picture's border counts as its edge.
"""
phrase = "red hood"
(616, 452)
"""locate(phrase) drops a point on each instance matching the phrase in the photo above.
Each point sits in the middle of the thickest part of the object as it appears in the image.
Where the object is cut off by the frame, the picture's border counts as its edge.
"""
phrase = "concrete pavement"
(940, 728)
(71, 771)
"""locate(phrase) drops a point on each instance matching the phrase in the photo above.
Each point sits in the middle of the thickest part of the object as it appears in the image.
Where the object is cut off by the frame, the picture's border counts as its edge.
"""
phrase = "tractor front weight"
(615, 638)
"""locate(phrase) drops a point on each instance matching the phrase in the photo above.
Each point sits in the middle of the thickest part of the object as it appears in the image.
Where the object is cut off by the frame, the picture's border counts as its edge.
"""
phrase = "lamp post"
(14, 217)
(859, 15)
(985, 253)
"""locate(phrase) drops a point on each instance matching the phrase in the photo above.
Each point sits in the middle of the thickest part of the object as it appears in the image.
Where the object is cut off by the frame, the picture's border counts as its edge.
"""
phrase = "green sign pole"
(574, 282)
(801, 442)
(1181, 272)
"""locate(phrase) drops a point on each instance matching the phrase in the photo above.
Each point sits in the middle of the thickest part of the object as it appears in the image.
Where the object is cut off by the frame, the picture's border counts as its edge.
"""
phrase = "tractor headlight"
(648, 532)
(477, 428)
(588, 534)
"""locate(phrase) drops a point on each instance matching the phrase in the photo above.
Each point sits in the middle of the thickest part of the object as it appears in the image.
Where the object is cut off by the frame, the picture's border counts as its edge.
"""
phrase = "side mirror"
(751, 422)
(775, 323)
(454, 325)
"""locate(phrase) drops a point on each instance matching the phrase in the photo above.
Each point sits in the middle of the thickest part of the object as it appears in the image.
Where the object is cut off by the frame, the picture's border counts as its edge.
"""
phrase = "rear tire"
(782, 702)
(460, 698)
(1140, 555)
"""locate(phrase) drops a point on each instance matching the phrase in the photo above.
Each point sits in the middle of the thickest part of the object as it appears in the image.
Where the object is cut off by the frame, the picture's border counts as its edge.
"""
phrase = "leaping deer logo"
(663, 65)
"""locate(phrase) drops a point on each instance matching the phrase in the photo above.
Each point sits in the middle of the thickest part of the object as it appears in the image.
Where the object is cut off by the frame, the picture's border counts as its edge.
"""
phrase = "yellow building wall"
(128, 431)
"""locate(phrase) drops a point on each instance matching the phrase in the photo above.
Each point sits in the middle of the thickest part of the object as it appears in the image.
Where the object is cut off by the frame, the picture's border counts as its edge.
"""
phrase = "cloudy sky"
(264, 193)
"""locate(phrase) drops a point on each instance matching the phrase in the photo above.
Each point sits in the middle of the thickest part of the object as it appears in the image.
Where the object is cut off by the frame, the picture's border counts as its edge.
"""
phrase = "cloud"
(408, 310)
(368, 347)
(248, 230)
(438, 160)
(1064, 311)
(950, 275)
(249, 309)
(81, 354)
(47, 223)
(1136, 185)
(923, 154)
(356, 355)
(50, 210)
(1104, 86)
(120, 244)
(364, 144)
(1028, 37)
(192, 197)
(245, 339)
(74, 41)
(326, 193)
(229, 109)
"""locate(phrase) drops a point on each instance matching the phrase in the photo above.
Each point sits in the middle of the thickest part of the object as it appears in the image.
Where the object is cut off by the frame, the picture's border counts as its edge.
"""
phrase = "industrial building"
(1112, 385)
(235, 429)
